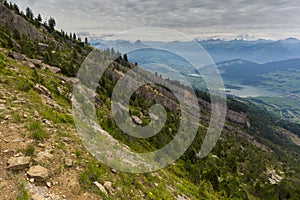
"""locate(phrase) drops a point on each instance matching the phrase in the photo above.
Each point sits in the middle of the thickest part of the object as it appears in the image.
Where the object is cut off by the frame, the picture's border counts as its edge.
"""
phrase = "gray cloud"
(276, 18)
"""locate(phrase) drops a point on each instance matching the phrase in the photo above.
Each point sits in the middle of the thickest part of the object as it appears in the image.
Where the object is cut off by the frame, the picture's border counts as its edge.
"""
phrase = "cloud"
(194, 17)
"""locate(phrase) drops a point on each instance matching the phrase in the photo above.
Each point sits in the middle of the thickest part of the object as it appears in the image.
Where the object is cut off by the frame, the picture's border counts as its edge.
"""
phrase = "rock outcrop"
(38, 172)
(16, 22)
(18, 163)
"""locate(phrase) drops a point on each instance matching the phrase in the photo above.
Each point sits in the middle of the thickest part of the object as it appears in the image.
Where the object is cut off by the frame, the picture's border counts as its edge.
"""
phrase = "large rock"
(36, 62)
(16, 55)
(18, 163)
(51, 69)
(38, 172)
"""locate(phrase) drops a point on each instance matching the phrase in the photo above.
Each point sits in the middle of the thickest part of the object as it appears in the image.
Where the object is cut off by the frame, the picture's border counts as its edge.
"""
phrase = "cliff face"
(238, 117)
(11, 20)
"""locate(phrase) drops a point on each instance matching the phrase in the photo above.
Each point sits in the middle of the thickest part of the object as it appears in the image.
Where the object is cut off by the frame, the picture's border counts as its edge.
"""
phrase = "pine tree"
(125, 57)
(86, 41)
(112, 51)
(39, 18)
(29, 13)
(6, 4)
(16, 8)
(51, 24)
(74, 36)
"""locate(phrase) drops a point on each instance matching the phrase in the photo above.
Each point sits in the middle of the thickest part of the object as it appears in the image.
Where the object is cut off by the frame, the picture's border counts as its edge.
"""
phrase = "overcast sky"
(273, 19)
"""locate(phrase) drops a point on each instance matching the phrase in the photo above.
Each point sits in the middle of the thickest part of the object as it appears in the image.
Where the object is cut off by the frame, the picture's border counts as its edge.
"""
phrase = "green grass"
(93, 172)
(37, 131)
(23, 194)
(30, 150)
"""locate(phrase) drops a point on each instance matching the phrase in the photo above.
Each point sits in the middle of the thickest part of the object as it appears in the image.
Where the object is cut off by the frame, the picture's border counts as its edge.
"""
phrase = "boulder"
(38, 172)
(51, 69)
(16, 55)
(36, 62)
(18, 163)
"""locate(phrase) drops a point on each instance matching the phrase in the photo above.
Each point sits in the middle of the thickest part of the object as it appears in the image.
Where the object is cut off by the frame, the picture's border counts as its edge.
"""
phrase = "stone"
(18, 140)
(29, 64)
(18, 163)
(43, 155)
(38, 172)
(45, 121)
(36, 114)
(31, 180)
(137, 120)
(35, 62)
(42, 90)
(18, 155)
(38, 197)
(70, 80)
(16, 55)
(69, 162)
(100, 187)
(43, 46)
(54, 70)
(114, 171)
(107, 185)
(48, 184)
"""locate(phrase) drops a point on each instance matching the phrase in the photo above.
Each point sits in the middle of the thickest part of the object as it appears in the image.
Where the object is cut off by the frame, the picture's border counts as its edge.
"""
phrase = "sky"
(248, 19)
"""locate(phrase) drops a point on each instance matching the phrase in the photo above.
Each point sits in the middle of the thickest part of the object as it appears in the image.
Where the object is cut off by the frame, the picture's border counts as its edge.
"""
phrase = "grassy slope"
(234, 169)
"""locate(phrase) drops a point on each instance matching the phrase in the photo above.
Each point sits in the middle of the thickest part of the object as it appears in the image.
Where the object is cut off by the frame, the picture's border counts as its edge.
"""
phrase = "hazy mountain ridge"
(261, 51)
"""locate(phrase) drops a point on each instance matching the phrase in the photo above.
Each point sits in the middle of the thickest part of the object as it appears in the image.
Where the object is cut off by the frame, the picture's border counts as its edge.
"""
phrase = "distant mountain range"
(260, 51)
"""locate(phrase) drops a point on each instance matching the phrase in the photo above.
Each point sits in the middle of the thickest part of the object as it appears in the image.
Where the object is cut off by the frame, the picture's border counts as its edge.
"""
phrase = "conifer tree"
(39, 18)
(29, 13)
(125, 57)
(51, 24)
(16, 8)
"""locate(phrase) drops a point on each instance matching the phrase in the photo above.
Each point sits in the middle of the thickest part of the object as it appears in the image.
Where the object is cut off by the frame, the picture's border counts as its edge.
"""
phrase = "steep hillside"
(42, 157)
(37, 41)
